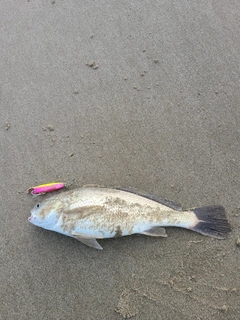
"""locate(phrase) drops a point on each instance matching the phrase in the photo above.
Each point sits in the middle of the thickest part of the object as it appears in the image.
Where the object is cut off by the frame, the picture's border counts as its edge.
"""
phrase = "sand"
(120, 93)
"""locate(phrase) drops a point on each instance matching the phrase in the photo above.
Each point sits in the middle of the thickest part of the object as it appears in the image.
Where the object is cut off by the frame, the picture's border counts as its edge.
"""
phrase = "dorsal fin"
(168, 203)
(92, 185)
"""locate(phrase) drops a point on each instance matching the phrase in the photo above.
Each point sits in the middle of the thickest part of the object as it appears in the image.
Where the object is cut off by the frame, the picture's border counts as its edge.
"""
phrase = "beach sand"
(120, 93)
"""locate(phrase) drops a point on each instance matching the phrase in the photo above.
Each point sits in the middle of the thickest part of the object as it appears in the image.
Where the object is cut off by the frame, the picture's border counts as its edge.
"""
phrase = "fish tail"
(212, 221)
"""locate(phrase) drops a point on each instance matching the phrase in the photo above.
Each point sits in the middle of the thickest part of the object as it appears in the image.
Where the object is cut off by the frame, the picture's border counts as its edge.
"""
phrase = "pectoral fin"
(91, 242)
(155, 232)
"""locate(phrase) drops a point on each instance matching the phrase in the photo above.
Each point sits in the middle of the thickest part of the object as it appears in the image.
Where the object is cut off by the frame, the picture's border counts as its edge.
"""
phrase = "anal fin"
(155, 232)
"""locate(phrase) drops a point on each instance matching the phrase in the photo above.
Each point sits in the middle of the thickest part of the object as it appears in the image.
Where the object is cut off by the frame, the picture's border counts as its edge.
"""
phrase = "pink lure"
(44, 188)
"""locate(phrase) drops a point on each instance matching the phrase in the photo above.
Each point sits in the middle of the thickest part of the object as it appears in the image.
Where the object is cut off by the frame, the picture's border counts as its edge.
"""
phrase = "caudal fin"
(212, 221)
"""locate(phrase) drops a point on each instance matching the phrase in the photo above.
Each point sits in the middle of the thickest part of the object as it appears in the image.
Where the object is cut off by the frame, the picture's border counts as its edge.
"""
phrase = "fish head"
(45, 214)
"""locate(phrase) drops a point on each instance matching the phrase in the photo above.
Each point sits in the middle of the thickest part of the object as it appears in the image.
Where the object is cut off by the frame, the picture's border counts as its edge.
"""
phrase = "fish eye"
(37, 205)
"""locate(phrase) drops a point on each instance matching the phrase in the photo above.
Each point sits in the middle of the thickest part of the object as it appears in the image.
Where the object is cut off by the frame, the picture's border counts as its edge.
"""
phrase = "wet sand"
(141, 94)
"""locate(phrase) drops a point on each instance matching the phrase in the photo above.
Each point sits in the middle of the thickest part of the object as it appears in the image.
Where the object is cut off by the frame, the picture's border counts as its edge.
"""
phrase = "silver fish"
(87, 214)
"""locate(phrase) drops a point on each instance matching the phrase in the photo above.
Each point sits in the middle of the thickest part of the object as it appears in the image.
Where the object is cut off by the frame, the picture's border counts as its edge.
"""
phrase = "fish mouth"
(30, 218)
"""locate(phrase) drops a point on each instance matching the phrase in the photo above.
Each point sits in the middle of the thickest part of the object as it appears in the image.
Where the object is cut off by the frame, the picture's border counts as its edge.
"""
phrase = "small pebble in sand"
(7, 125)
(238, 242)
(223, 308)
(156, 60)
(50, 127)
(92, 64)
(75, 91)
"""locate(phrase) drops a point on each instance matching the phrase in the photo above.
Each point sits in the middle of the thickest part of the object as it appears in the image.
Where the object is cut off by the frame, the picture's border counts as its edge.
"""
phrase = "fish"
(92, 213)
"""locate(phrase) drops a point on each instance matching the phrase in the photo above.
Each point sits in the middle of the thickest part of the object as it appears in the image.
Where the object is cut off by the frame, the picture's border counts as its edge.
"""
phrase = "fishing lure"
(45, 188)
